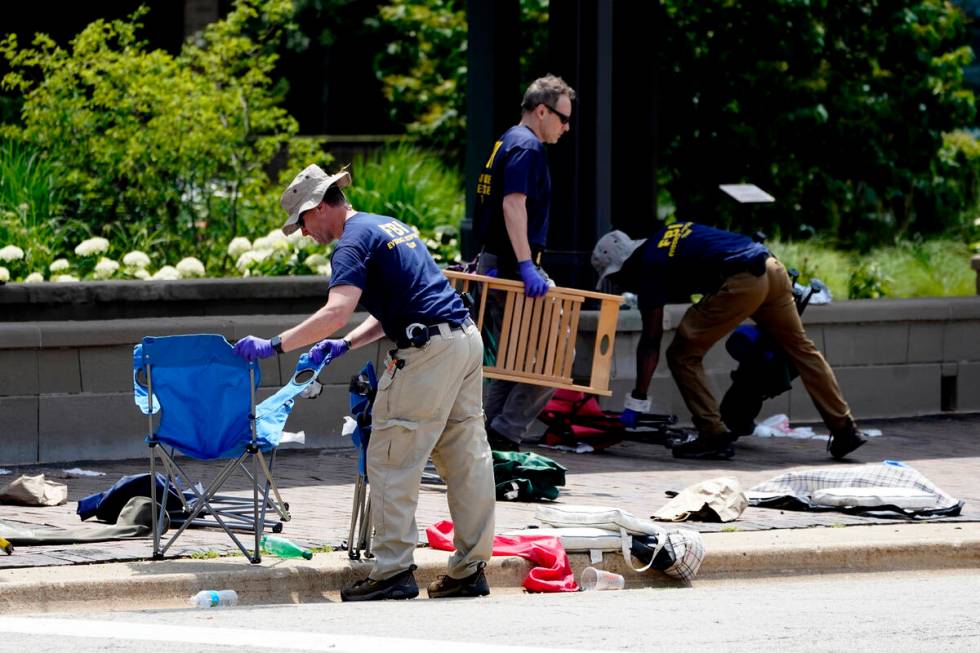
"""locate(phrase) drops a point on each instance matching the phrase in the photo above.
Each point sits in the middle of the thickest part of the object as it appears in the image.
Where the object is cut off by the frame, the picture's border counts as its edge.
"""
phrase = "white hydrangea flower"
(315, 260)
(63, 278)
(325, 270)
(34, 277)
(238, 246)
(92, 246)
(4, 274)
(190, 267)
(251, 257)
(136, 259)
(166, 273)
(299, 241)
(11, 253)
(275, 240)
(105, 268)
(59, 265)
(141, 273)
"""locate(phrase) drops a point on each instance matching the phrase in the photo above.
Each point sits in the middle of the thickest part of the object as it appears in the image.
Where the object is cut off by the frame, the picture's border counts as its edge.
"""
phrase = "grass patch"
(932, 268)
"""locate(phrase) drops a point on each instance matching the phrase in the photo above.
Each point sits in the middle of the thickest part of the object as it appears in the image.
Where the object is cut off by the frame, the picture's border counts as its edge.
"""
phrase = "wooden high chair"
(536, 340)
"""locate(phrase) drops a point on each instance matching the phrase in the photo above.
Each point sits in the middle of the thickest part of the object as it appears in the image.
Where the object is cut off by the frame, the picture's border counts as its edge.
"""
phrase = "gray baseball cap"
(306, 191)
(611, 252)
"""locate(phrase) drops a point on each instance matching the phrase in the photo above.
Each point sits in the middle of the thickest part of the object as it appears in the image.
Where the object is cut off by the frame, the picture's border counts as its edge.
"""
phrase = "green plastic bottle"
(283, 548)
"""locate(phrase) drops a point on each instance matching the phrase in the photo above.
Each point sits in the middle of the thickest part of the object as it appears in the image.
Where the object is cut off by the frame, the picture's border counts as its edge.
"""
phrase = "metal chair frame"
(220, 508)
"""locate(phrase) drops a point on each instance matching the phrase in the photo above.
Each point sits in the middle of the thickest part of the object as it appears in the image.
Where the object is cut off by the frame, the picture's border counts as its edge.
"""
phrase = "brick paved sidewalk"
(318, 485)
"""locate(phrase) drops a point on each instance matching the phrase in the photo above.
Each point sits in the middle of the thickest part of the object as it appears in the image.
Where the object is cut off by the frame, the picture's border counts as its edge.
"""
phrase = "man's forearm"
(647, 358)
(515, 220)
(316, 327)
(365, 333)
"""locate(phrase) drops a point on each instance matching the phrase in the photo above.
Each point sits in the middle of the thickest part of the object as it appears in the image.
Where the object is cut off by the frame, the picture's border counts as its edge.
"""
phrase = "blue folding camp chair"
(205, 395)
(363, 389)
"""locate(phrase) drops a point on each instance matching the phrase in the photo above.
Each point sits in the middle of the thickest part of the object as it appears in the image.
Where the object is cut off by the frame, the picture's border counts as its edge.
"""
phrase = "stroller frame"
(233, 510)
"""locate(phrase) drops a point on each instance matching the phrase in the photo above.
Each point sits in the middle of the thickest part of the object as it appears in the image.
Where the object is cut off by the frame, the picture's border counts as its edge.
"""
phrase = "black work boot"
(499, 442)
(400, 586)
(706, 447)
(473, 585)
(844, 442)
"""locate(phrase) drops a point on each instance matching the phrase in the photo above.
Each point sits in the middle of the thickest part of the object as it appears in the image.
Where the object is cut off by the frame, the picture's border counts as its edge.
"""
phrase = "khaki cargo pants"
(768, 300)
(432, 406)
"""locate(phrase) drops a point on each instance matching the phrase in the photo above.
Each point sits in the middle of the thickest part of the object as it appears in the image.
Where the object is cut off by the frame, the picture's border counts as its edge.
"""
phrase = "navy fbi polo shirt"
(687, 258)
(400, 282)
(517, 164)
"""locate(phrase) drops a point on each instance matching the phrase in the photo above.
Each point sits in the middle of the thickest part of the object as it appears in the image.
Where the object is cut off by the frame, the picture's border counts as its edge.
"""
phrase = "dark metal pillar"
(580, 35)
(493, 91)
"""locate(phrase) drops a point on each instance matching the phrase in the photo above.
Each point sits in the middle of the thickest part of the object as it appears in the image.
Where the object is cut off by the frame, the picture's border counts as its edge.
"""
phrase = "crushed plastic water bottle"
(214, 599)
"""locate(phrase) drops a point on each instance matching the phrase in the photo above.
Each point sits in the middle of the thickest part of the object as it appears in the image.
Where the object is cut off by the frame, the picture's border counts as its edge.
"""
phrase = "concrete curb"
(169, 583)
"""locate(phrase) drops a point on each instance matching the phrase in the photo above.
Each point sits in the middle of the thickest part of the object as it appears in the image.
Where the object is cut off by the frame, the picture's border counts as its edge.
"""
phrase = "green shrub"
(416, 187)
(935, 268)
(423, 70)
(815, 260)
(167, 152)
(867, 281)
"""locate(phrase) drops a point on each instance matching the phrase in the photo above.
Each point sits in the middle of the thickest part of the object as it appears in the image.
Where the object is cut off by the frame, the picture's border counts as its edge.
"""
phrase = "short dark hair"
(546, 90)
(334, 196)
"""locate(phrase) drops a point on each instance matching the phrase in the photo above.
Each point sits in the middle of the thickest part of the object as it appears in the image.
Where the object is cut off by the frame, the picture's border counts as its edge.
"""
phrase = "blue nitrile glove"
(535, 285)
(628, 418)
(327, 350)
(251, 348)
(491, 272)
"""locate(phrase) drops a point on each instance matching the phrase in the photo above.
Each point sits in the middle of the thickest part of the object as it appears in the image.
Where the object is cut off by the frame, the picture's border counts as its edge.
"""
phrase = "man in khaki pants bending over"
(429, 400)
(737, 278)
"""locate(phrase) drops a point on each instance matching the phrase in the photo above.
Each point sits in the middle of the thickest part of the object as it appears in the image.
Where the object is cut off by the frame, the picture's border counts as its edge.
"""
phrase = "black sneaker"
(843, 443)
(473, 585)
(705, 447)
(400, 586)
(501, 443)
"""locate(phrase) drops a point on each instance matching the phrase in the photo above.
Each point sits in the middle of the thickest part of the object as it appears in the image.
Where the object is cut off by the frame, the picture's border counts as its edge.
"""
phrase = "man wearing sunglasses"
(513, 202)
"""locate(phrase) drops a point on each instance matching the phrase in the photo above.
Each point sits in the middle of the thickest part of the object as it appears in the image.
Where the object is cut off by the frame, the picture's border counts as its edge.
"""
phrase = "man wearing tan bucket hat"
(738, 279)
(429, 399)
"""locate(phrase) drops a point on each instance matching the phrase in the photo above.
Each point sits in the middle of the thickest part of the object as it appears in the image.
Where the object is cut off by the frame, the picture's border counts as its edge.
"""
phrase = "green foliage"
(815, 259)
(934, 268)
(922, 268)
(136, 137)
(416, 187)
(837, 107)
(424, 67)
(866, 281)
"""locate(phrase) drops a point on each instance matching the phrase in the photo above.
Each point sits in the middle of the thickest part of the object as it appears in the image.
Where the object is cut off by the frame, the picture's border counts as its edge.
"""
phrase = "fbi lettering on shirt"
(483, 181)
(674, 234)
(399, 234)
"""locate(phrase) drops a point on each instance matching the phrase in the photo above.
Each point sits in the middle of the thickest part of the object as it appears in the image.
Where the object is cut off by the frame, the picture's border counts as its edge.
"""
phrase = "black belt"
(417, 335)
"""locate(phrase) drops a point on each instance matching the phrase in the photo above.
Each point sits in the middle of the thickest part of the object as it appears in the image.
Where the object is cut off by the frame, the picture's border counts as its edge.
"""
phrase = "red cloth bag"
(553, 573)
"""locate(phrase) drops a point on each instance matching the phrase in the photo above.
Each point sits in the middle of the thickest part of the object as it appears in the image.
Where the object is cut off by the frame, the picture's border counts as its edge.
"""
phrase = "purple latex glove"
(251, 348)
(327, 350)
(535, 285)
(628, 418)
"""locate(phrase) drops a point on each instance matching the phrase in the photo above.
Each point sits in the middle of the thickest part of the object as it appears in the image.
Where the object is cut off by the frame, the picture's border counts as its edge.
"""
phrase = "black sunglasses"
(564, 118)
(299, 221)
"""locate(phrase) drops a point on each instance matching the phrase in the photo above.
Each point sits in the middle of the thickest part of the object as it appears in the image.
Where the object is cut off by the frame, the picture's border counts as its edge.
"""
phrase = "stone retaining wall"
(66, 387)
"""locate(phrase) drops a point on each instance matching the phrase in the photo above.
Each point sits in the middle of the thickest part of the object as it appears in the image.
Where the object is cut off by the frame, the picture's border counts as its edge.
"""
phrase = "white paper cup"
(593, 579)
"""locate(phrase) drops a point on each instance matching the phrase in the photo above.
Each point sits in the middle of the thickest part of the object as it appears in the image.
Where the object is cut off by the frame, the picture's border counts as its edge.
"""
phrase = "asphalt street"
(907, 611)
